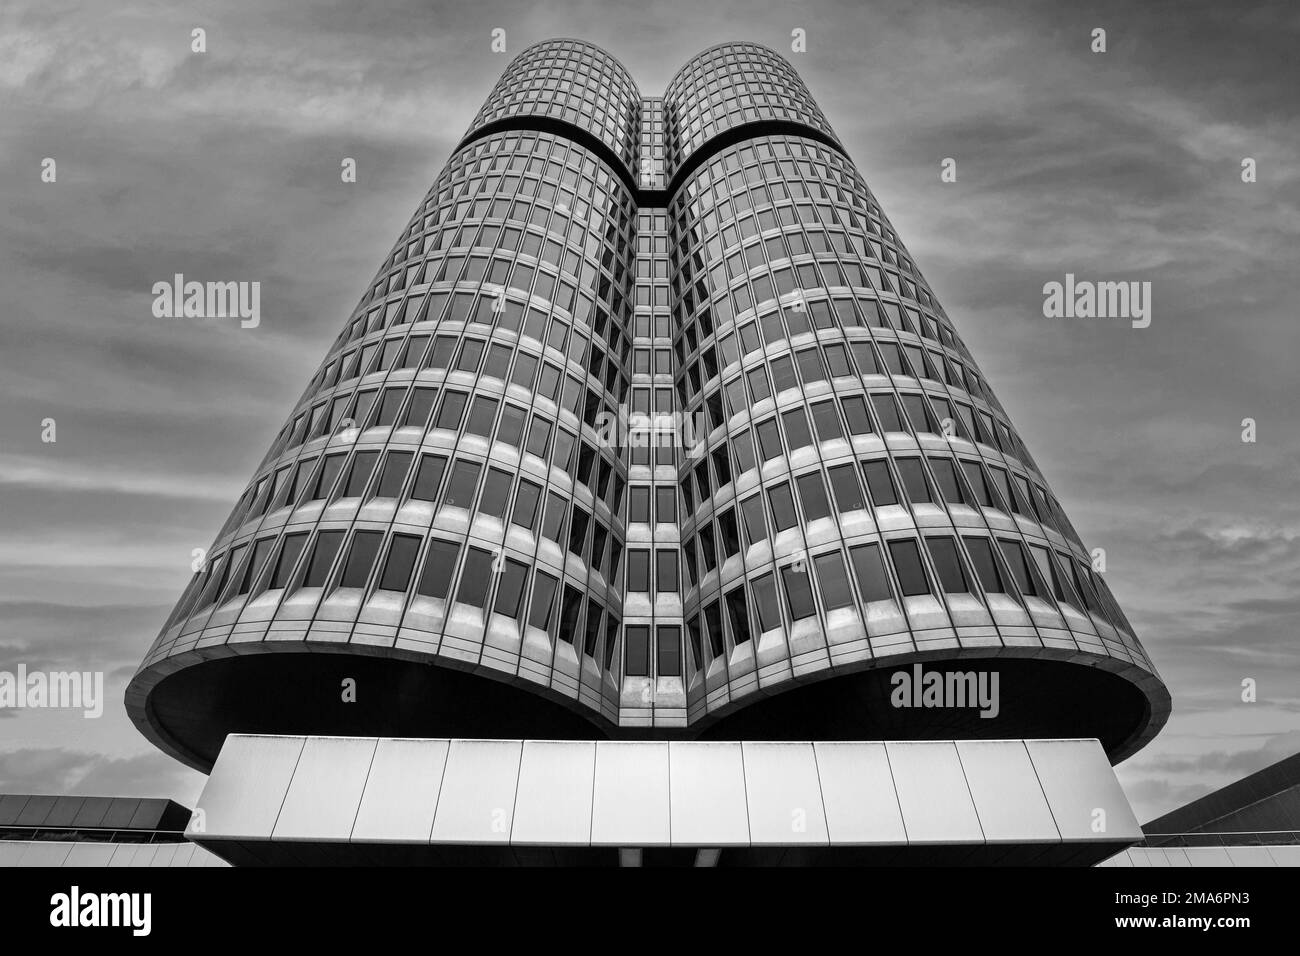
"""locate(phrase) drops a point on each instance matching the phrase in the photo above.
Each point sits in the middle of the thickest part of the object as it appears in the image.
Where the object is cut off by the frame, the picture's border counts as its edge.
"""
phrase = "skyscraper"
(648, 426)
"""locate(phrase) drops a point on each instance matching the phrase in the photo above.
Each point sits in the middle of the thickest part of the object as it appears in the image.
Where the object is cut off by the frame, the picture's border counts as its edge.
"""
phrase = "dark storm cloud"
(225, 166)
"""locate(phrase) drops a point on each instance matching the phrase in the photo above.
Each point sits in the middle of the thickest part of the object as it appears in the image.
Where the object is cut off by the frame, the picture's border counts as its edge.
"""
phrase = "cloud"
(61, 771)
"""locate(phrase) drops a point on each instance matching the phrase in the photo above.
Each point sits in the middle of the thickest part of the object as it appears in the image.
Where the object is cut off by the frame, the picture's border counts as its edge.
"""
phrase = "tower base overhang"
(280, 800)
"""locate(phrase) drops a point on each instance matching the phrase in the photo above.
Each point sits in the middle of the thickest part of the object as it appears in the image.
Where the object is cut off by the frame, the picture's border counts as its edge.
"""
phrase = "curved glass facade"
(650, 417)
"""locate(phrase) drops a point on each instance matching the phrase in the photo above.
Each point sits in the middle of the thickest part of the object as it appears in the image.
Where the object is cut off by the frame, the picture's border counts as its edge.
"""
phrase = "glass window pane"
(464, 479)
(907, 563)
(496, 489)
(918, 489)
(947, 563)
(638, 570)
(669, 641)
(365, 545)
(869, 569)
(438, 565)
(327, 546)
(511, 589)
(636, 661)
(666, 571)
(1015, 558)
(738, 613)
(544, 588)
(475, 578)
(812, 493)
(393, 476)
(832, 579)
(986, 566)
(526, 499)
(428, 477)
(798, 593)
(289, 552)
(880, 483)
(783, 513)
(401, 562)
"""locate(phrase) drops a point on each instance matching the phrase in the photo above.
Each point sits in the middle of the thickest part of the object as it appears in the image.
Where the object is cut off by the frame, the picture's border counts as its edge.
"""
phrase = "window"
(798, 593)
(365, 546)
(482, 416)
(1004, 486)
(855, 412)
(299, 481)
(526, 499)
(636, 661)
(592, 629)
(464, 479)
(261, 553)
(918, 489)
(544, 589)
(453, 407)
(638, 507)
(693, 634)
(638, 571)
(729, 532)
(553, 520)
(847, 491)
(978, 482)
(400, 564)
(812, 492)
(666, 571)
(919, 412)
(769, 614)
(578, 531)
(945, 473)
(1015, 558)
(887, 412)
(947, 564)
(428, 477)
(713, 618)
(496, 489)
(388, 407)
(611, 638)
(796, 428)
(327, 546)
(769, 439)
(986, 566)
(738, 613)
(289, 552)
(570, 608)
(755, 525)
(783, 513)
(668, 639)
(362, 467)
(511, 590)
(1049, 572)
(393, 475)
(666, 504)
(435, 579)
(827, 421)
(833, 581)
(329, 471)
(880, 483)
(907, 563)
(476, 578)
(869, 569)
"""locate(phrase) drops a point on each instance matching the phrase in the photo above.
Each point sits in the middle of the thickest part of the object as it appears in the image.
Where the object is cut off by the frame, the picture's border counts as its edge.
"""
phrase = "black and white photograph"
(661, 437)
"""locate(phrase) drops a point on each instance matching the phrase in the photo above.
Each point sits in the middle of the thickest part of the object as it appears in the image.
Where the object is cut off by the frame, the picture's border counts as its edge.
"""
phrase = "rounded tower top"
(569, 81)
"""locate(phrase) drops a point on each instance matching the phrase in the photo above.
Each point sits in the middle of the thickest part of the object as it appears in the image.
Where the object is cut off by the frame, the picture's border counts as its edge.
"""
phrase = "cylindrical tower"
(447, 502)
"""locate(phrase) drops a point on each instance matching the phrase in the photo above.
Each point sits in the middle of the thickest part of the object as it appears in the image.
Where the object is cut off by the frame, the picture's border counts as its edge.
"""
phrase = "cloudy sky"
(225, 165)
